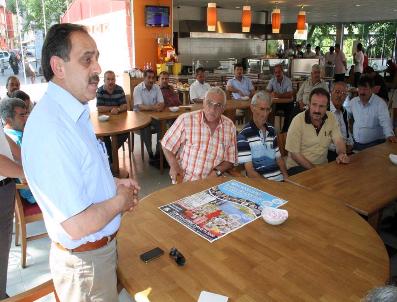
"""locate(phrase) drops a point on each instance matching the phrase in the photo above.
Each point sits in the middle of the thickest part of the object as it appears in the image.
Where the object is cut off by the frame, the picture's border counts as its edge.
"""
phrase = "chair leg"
(23, 246)
(17, 230)
(142, 150)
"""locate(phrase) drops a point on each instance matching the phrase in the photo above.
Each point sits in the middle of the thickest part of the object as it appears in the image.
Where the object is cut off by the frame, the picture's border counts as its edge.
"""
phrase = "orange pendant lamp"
(276, 21)
(300, 27)
(211, 17)
(246, 18)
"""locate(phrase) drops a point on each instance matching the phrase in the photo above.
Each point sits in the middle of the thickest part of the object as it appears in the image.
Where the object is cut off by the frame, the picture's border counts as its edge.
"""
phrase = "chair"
(35, 293)
(25, 213)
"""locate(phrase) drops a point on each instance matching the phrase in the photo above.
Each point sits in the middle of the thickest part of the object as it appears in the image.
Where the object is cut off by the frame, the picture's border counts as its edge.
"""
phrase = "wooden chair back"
(281, 140)
(35, 293)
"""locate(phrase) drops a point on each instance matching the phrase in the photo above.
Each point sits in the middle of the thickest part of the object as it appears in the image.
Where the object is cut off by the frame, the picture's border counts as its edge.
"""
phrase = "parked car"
(4, 59)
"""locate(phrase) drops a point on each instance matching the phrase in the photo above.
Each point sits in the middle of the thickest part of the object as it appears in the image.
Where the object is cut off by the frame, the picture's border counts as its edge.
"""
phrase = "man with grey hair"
(202, 143)
(382, 294)
(257, 143)
(314, 81)
(14, 114)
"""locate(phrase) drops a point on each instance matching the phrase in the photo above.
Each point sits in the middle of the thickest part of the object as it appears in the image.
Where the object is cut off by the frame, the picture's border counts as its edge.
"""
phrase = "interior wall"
(145, 38)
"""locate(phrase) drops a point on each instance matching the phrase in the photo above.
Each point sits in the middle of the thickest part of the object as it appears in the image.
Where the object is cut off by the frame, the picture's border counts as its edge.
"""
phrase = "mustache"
(93, 79)
(316, 113)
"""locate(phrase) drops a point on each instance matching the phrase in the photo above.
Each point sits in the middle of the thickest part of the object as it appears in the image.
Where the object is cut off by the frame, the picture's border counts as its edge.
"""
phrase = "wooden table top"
(367, 184)
(166, 114)
(120, 123)
(323, 252)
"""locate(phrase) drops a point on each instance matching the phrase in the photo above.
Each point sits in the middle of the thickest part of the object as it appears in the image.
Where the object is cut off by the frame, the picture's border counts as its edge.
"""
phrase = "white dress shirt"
(371, 121)
(66, 166)
(198, 90)
(144, 96)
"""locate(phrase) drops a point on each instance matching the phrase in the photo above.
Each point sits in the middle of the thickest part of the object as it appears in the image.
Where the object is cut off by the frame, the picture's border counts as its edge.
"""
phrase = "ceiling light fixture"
(300, 26)
(211, 17)
(246, 18)
(276, 20)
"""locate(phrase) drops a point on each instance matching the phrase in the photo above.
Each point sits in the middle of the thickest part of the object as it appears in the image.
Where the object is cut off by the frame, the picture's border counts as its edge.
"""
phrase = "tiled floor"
(37, 270)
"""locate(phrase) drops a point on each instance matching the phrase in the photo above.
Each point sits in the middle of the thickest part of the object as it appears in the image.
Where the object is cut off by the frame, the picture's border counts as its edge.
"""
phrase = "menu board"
(222, 209)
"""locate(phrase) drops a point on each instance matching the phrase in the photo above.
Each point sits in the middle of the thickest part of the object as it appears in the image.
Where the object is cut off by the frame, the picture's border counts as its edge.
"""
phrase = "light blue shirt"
(283, 87)
(371, 121)
(66, 166)
(245, 85)
(144, 96)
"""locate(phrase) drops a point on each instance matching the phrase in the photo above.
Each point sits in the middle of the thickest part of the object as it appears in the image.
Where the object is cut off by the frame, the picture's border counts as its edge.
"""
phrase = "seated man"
(14, 115)
(12, 85)
(307, 86)
(202, 143)
(199, 88)
(281, 87)
(170, 97)
(240, 86)
(19, 94)
(310, 134)
(257, 143)
(148, 97)
(338, 96)
(111, 100)
(372, 122)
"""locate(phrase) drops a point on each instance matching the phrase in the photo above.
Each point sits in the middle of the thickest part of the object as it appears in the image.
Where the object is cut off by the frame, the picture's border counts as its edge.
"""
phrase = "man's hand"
(158, 107)
(114, 111)
(176, 173)
(128, 182)
(128, 197)
(342, 159)
(392, 139)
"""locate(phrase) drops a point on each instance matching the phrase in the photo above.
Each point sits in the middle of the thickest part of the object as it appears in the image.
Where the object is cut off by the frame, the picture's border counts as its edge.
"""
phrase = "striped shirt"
(104, 98)
(261, 149)
(198, 151)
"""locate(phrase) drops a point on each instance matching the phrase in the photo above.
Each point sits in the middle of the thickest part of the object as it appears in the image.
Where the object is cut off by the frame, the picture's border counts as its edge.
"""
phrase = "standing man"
(110, 98)
(372, 123)
(310, 134)
(280, 86)
(240, 86)
(309, 54)
(257, 143)
(338, 96)
(170, 97)
(330, 57)
(69, 173)
(9, 169)
(340, 64)
(302, 97)
(202, 143)
(199, 87)
(148, 97)
(358, 60)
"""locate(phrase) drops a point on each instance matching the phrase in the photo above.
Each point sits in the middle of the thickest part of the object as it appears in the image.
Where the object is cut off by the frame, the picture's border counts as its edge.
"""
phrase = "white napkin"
(211, 297)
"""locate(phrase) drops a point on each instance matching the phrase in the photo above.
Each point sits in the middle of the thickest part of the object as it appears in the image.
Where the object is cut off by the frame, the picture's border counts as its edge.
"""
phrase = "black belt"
(5, 181)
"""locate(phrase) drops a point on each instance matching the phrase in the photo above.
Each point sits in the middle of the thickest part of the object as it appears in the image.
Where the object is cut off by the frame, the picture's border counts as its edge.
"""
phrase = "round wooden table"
(124, 122)
(323, 252)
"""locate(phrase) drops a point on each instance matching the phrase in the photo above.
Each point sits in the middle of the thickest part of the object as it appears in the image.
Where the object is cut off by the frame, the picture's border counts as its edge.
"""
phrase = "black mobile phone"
(152, 254)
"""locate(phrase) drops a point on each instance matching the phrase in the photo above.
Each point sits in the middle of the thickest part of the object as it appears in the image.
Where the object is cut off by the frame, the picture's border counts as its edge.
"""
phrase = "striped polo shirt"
(261, 149)
(104, 98)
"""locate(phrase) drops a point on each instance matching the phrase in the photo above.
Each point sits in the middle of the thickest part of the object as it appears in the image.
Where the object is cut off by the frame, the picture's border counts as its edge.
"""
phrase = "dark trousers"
(146, 135)
(357, 76)
(332, 155)
(288, 109)
(360, 147)
(121, 138)
(339, 77)
(295, 170)
(7, 204)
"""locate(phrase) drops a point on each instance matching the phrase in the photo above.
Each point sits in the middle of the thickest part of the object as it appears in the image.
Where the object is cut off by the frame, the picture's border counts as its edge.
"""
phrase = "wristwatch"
(218, 172)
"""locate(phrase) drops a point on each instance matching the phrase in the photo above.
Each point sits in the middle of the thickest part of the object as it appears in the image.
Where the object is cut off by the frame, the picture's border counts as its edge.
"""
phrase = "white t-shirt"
(359, 62)
(4, 147)
(198, 90)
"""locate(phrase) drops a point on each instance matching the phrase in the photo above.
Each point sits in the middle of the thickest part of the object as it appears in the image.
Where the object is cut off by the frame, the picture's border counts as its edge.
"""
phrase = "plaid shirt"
(198, 151)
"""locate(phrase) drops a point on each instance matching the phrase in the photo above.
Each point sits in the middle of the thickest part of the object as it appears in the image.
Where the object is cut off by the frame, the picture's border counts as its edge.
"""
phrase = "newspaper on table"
(222, 209)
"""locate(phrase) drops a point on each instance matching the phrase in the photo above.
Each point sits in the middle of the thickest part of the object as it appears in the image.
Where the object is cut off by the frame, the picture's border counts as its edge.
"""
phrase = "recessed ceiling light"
(358, 5)
(238, 7)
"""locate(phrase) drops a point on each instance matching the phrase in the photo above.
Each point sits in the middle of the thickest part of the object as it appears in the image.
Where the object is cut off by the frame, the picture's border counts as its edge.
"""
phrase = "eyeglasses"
(340, 91)
(178, 257)
(215, 105)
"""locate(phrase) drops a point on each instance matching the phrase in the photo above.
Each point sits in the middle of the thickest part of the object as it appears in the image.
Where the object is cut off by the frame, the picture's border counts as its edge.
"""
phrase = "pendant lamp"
(246, 19)
(211, 17)
(276, 21)
(300, 27)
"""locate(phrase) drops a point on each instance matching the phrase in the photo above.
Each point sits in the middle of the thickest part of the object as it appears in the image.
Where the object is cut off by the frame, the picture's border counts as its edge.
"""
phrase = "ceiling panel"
(318, 11)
